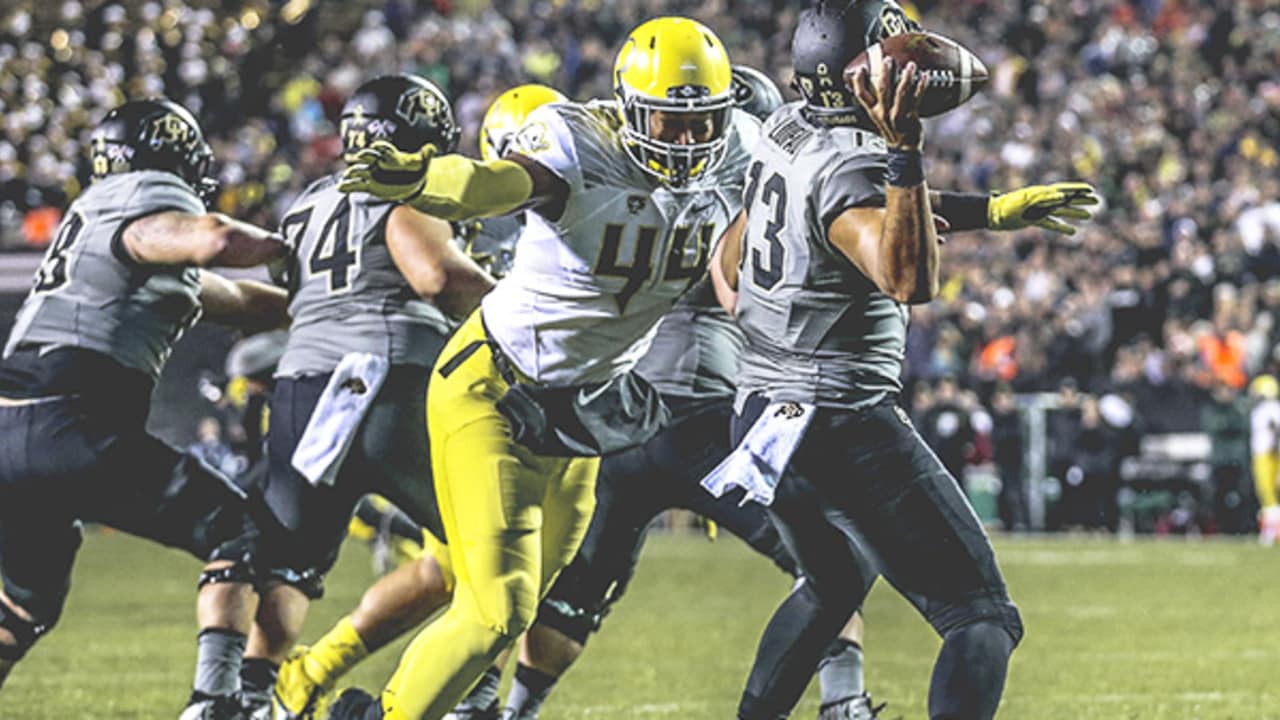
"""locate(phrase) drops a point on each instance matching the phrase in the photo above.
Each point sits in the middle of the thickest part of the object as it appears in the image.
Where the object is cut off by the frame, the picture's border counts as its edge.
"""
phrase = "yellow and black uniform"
(591, 278)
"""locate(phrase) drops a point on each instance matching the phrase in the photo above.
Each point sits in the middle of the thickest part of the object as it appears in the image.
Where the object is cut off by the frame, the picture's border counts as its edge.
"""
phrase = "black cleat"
(858, 707)
(355, 704)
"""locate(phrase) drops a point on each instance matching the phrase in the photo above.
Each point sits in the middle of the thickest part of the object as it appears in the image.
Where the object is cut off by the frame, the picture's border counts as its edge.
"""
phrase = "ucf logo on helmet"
(419, 104)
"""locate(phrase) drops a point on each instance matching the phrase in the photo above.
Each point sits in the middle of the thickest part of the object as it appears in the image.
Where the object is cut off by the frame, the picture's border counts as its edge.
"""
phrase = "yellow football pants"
(513, 520)
(1266, 474)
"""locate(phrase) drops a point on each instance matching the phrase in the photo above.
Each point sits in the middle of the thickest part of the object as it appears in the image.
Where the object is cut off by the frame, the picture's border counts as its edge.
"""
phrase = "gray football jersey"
(89, 292)
(695, 351)
(818, 331)
(345, 292)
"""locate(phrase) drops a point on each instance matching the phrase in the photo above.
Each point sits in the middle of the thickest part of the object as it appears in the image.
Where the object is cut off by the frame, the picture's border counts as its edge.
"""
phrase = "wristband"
(965, 211)
(906, 168)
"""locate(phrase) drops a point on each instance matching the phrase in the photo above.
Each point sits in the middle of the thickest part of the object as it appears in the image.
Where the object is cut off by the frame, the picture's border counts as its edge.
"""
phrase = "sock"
(218, 654)
(485, 694)
(840, 671)
(335, 653)
(258, 675)
(528, 692)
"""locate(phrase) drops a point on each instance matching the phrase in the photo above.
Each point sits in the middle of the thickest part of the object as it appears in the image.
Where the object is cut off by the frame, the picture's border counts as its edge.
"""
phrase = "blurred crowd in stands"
(1149, 321)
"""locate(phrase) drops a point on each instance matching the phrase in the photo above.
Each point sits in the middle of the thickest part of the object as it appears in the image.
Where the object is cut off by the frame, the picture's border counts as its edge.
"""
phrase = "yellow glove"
(1052, 207)
(387, 172)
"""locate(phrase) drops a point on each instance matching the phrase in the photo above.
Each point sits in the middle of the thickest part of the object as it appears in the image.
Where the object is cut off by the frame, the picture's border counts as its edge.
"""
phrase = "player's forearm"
(213, 239)
(723, 267)
(239, 245)
(467, 284)
(909, 245)
(246, 304)
(459, 188)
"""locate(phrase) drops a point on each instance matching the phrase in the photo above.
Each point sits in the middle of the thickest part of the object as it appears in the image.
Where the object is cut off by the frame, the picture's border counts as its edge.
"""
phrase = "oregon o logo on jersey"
(534, 138)
(420, 104)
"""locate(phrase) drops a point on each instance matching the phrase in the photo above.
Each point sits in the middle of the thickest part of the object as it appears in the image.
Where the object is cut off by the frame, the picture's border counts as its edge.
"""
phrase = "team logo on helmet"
(893, 21)
(170, 129)
(420, 104)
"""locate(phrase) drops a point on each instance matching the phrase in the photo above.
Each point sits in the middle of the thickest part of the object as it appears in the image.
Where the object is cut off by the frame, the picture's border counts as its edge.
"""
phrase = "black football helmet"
(828, 37)
(406, 110)
(153, 134)
(754, 92)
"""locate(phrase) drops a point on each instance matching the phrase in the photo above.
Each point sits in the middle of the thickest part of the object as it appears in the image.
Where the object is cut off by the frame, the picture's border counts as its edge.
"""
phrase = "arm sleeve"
(459, 188)
(854, 183)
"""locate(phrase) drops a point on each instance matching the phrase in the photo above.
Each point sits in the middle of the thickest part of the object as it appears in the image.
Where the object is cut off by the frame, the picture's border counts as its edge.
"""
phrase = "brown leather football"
(954, 73)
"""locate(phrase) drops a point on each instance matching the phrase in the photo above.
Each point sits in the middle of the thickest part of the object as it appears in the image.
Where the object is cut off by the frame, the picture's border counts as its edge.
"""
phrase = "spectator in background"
(1062, 425)
(947, 428)
(1007, 454)
(1264, 441)
(1092, 479)
(1225, 419)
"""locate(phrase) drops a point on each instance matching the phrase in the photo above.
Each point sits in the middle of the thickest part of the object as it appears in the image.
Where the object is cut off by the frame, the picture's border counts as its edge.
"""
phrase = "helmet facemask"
(673, 162)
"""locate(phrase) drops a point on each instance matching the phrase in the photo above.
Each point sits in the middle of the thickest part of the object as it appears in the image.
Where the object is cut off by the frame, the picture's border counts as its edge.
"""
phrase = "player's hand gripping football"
(1057, 207)
(893, 103)
(391, 174)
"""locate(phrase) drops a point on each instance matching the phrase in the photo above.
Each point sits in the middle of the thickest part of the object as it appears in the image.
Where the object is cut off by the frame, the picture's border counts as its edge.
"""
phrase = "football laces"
(939, 78)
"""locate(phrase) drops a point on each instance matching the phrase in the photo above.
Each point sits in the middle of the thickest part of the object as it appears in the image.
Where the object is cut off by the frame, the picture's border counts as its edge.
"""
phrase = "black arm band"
(965, 211)
(906, 168)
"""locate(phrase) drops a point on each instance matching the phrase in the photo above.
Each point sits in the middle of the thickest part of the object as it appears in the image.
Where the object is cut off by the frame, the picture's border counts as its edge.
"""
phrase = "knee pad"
(240, 552)
(234, 573)
(309, 582)
(573, 622)
(989, 607)
(24, 632)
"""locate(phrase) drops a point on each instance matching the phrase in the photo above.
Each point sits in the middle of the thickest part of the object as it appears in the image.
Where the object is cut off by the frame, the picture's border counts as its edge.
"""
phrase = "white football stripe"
(966, 74)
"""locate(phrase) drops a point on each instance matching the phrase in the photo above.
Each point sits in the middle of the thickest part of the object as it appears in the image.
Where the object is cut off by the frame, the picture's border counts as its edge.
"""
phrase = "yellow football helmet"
(673, 65)
(1265, 387)
(507, 114)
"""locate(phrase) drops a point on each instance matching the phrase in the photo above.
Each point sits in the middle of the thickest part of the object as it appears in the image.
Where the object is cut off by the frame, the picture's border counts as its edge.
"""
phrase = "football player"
(412, 592)
(623, 204)
(370, 284)
(119, 285)
(839, 240)
(692, 362)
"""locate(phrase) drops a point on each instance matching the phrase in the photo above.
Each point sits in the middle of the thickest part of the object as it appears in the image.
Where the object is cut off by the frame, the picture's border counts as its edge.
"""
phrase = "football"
(953, 71)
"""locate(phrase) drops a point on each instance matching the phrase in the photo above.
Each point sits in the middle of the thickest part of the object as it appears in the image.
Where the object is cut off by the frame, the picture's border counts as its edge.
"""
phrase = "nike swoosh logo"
(697, 209)
(586, 398)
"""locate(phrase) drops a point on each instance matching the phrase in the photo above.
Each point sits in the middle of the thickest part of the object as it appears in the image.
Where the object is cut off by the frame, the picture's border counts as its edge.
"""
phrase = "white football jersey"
(586, 290)
(1264, 423)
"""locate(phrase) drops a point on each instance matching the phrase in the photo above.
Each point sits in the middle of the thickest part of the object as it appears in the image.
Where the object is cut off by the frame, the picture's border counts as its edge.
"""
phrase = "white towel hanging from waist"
(337, 415)
(758, 462)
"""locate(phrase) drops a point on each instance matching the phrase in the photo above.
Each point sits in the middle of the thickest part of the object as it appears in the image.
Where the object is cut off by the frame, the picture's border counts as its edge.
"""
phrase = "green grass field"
(1146, 630)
